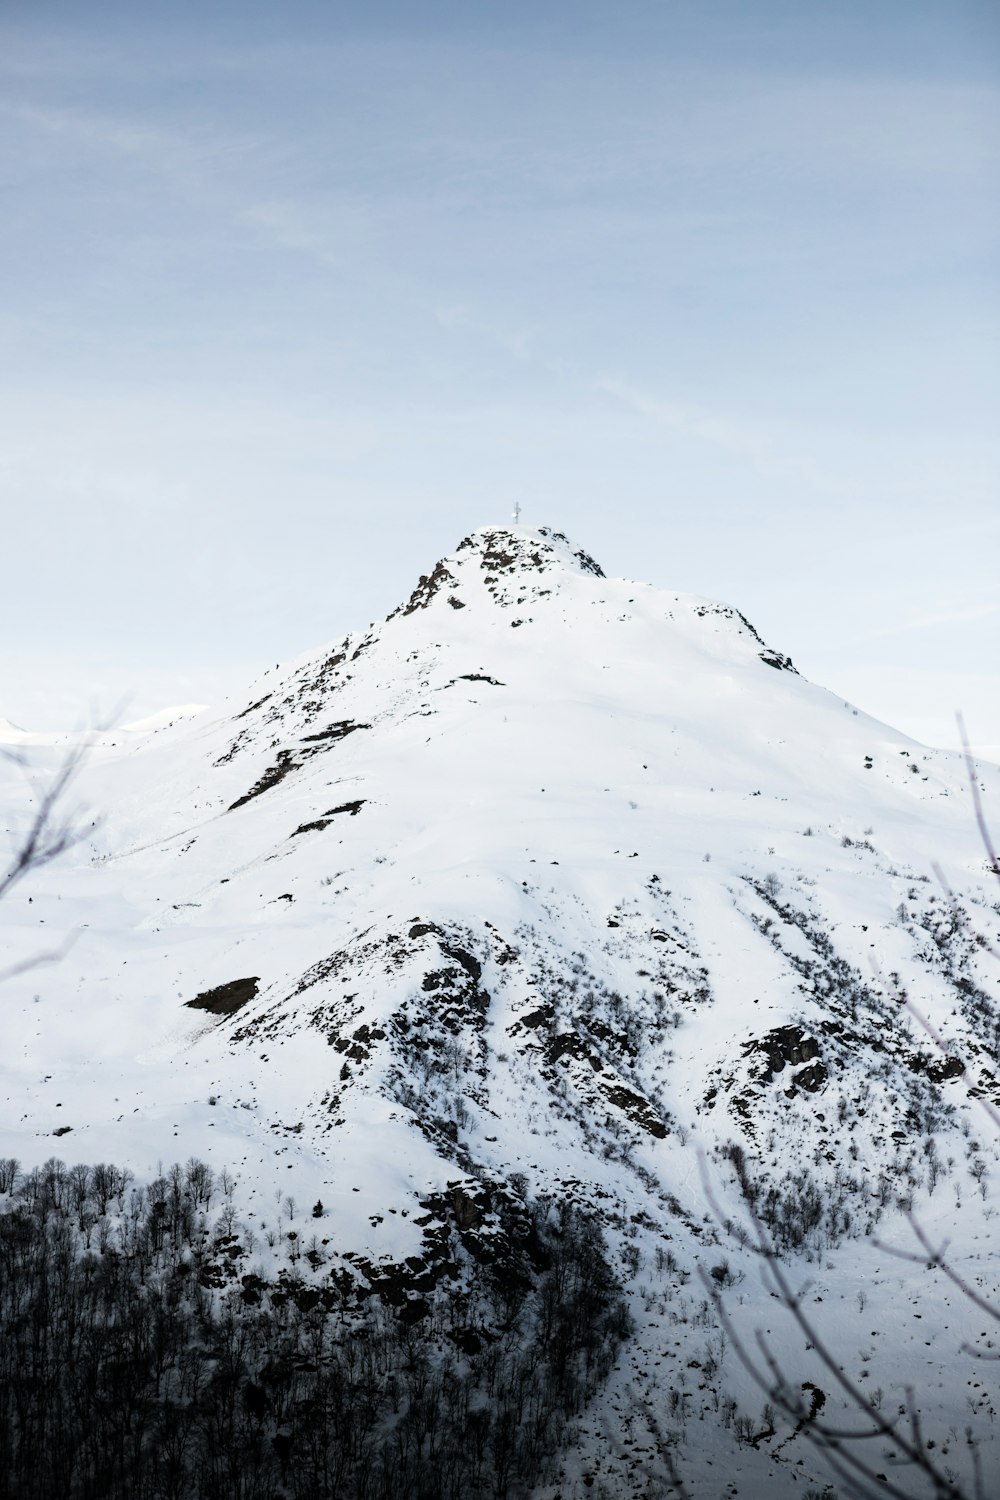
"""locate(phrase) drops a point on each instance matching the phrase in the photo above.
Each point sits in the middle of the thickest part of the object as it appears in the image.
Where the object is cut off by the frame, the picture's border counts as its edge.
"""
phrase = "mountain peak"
(505, 559)
(507, 549)
(551, 891)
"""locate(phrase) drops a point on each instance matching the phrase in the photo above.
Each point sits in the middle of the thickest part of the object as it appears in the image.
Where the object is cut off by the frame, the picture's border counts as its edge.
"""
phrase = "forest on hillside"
(143, 1358)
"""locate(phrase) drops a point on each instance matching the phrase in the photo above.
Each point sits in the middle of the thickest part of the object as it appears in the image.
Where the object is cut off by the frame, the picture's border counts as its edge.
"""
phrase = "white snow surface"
(526, 876)
(15, 738)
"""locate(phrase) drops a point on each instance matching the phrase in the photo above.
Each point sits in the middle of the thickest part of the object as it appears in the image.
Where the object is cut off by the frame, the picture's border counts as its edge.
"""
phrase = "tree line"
(138, 1361)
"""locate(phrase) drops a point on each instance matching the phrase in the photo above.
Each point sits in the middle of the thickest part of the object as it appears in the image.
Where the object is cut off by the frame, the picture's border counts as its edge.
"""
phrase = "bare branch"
(936, 1258)
(961, 915)
(970, 765)
(52, 831)
(40, 960)
(835, 1443)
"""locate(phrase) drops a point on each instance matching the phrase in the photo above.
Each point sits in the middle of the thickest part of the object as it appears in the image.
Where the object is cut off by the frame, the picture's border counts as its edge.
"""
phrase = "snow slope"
(558, 875)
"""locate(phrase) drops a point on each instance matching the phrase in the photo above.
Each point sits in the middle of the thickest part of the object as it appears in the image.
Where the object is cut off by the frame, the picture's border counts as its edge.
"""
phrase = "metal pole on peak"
(517, 511)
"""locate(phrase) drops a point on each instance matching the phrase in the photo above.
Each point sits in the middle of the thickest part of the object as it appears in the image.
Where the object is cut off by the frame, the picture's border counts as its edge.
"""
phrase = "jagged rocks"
(338, 731)
(289, 760)
(359, 1046)
(937, 1069)
(272, 777)
(503, 551)
(638, 1109)
(811, 1079)
(318, 824)
(429, 585)
(786, 1045)
(772, 658)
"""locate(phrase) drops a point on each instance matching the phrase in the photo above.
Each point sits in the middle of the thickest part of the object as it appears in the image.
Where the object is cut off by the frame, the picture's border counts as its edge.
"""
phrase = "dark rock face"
(225, 999)
(337, 731)
(937, 1069)
(587, 563)
(775, 659)
(289, 760)
(811, 1079)
(638, 1109)
(359, 1047)
(510, 560)
(271, 777)
(429, 585)
(786, 1045)
(353, 808)
(504, 551)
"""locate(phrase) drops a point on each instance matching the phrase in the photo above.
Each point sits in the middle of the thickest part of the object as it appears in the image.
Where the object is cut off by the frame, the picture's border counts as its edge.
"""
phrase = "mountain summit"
(509, 560)
(551, 880)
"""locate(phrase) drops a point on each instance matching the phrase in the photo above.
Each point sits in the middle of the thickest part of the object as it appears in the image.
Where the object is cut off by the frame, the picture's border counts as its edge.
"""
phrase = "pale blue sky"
(292, 297)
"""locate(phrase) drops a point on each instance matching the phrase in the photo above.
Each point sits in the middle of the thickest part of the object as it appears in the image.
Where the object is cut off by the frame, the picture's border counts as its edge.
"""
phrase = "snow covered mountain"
(570, 886)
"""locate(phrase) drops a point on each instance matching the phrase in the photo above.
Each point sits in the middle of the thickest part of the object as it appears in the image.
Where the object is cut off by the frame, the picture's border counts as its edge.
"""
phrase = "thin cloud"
(965, 615)
(199, 165)
(766, 453)
(514, 342)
